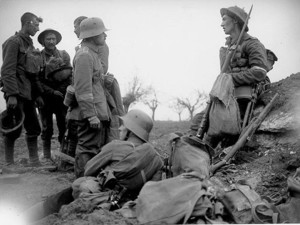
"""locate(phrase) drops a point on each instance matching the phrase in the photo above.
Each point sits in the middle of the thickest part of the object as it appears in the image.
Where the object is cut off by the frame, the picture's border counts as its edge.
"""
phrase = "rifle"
(230, 55)
(246, 136)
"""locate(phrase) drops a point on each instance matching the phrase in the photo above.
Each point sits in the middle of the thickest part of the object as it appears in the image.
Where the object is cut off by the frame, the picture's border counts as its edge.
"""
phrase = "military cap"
(41, 37)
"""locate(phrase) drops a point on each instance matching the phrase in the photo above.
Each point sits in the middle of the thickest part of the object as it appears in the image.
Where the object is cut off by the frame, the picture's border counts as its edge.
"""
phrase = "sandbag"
(169, 201)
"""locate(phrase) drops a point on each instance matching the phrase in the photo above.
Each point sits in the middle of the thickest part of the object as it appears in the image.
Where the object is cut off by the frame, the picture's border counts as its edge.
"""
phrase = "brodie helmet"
(11, 120)
(138, 123)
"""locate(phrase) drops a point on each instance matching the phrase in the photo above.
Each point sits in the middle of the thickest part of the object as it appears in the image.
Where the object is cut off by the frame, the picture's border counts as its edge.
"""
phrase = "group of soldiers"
(33, 79)
(86, 98)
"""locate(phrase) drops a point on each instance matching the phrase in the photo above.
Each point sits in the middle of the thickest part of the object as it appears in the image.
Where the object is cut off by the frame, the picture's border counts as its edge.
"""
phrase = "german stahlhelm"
(138, 123)
(237, 13)
(11, 121)
(91, 27)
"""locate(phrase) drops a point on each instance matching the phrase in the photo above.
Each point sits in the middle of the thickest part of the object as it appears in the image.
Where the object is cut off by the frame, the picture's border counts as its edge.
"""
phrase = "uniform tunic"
(17, 82)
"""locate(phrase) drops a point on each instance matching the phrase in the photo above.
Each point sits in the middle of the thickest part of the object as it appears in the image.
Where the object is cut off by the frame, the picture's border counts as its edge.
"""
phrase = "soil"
(266, 168)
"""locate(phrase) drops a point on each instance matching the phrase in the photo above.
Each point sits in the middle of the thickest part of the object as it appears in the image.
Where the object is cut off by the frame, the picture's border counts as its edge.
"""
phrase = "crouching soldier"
(123, 166)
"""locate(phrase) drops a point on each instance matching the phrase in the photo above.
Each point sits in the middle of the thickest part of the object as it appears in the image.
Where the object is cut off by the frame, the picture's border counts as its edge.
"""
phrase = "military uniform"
(249, 65)
(18, 82)
(91, 99)
(53, 104)
(112, 158)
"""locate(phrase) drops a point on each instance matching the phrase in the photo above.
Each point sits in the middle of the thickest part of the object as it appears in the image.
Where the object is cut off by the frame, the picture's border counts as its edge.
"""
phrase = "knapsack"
(185, 157)
(172, 201)
(244, 205)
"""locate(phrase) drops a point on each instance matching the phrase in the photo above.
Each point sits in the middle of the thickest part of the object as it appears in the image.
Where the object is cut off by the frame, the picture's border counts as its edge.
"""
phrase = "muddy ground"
(266, 168)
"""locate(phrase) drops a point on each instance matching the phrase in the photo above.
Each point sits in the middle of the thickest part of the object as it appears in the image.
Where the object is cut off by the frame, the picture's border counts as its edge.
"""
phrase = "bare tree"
(178, 108)
(192, 105)
(135, 92)
(151, 101)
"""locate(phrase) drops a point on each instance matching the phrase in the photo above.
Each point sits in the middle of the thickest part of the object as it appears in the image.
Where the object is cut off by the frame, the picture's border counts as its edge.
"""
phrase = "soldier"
(92, 111)
(272, 58)
(21, 64)
(55, 77)
(247, 69)
(117, 157)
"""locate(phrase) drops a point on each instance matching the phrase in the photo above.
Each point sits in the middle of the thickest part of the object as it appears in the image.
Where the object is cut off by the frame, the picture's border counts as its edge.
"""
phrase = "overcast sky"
(172, 45)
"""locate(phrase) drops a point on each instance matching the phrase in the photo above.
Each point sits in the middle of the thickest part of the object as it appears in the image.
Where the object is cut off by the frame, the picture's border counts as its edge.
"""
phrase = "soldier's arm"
(258, 65)
(83, 74)
(9, 68)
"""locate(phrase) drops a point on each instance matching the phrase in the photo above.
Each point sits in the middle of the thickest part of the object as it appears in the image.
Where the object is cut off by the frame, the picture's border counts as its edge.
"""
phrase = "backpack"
(244, 205)
(186, 157)
(172, 201)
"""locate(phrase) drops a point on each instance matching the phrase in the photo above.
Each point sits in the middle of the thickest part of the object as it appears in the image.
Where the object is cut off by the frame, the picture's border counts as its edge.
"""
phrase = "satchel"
(245, 206)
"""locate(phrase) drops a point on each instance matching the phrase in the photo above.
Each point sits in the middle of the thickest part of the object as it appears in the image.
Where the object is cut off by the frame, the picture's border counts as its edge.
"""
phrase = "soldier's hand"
(94, 122)
(11, 102)
(40, 102)
(58, 93)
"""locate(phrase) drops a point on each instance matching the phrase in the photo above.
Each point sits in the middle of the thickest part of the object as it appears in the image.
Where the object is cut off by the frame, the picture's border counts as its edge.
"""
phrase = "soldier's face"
(50, 41)
(77, 29)
(33, 27)
(123, 132)
(100, 39)
(228, 24)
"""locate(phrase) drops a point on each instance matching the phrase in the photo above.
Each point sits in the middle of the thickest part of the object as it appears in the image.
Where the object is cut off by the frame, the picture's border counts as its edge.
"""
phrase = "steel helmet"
(91, 27)
(138, 123)
(11, 120)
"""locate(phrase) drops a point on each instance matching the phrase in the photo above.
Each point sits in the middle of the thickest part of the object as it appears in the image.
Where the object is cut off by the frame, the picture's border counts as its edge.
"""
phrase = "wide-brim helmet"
(235, 12)
(91, 27)
(41, 37)
(11, 120)
(138, 123)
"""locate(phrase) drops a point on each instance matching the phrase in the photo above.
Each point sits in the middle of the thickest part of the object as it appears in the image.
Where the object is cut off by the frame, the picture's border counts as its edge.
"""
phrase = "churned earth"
(265, 164)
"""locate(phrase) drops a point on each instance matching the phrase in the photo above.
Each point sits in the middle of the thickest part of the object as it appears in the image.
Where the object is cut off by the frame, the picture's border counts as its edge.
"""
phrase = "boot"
(80, 162)
(9, 150)
(33, 151)
(47, 149)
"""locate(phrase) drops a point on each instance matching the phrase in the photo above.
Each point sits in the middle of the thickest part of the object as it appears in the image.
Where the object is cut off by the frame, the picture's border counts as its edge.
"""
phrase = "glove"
(94, 122)
(40, 102)
(11, 102)
(58, 94)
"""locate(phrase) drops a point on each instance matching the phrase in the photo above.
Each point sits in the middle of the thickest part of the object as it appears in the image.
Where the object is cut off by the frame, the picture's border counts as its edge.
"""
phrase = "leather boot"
(9, 145)
(33, 151)
(80, 162)
(47, 149)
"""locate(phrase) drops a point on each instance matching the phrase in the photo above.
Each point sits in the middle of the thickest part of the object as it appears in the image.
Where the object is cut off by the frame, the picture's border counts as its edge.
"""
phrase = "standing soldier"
(55, 77)
(71, 123)
(92, 111)
(19, 69)
(246, 70)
